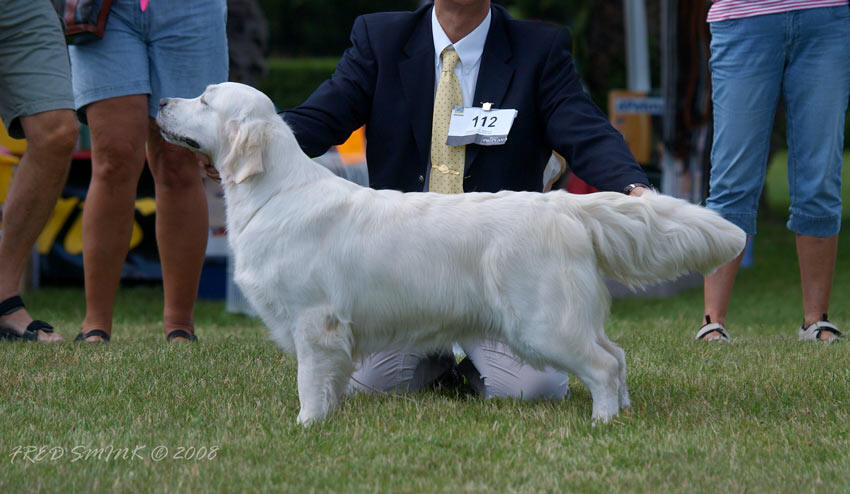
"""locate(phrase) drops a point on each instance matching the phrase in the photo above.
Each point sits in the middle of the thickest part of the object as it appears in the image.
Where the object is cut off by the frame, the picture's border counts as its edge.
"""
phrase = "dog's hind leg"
(323, 347)
(599, 370)
(593, 364)
(620, 355)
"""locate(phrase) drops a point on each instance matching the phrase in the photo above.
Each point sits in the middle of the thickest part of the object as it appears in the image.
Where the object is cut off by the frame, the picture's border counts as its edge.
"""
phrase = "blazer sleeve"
(578, 129)
(340, 105)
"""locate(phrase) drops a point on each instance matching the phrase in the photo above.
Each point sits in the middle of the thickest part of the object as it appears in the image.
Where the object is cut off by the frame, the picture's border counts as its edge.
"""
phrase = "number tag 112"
(475, 125)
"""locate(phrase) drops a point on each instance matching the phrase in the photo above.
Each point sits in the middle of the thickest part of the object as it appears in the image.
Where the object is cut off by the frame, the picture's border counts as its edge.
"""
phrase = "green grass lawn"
(764, 414)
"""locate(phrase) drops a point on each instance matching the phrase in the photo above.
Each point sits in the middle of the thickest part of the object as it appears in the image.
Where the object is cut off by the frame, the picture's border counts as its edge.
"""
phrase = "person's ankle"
(8, 293)
(708, 319)
(811, 318)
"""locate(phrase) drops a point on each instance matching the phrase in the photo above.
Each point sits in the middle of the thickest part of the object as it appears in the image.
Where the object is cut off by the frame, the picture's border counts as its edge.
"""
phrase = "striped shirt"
(722, 10)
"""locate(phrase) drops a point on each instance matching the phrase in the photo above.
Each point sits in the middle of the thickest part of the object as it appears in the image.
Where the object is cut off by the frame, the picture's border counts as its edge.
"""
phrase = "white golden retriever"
(338, 271)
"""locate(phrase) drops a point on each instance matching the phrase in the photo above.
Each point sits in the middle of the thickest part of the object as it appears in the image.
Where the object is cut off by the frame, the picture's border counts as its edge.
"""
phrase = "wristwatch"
(629, 188)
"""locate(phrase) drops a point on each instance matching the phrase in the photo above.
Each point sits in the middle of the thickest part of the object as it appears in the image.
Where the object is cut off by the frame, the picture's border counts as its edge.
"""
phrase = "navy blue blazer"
(385, 80)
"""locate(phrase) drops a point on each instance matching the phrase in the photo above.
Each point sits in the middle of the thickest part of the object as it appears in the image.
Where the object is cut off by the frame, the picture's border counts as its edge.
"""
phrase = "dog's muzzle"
(177, 139)
(170, 136)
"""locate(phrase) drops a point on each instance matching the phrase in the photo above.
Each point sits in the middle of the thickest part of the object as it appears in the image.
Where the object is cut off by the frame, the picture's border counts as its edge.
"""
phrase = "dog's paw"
(306, 421)
(601, 418)
(594, 422)
(307, 418)
(625, 402)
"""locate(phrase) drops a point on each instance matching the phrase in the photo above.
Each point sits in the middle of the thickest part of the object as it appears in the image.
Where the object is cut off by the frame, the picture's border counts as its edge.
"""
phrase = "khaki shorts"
(35, 75)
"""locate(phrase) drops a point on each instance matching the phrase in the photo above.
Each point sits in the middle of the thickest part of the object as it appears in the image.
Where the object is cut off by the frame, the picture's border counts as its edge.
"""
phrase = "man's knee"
(54, 132)
(175, 168)
(530, 385)
(495, 372)
(397, 372)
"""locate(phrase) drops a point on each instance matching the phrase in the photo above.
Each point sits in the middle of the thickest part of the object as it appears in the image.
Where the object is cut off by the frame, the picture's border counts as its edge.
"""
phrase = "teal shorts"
(35, 76)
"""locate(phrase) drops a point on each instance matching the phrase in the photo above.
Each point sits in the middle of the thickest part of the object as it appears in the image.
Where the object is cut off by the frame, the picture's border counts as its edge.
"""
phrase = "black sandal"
(94, 332)
(713, 327)
(181, 333)
(14, 304)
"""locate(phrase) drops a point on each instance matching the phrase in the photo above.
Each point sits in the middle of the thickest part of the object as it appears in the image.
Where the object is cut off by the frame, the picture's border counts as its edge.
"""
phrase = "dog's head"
(229, 123)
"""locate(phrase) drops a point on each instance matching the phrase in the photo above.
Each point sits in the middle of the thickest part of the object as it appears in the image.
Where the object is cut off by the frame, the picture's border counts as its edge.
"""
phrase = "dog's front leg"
(323, 348)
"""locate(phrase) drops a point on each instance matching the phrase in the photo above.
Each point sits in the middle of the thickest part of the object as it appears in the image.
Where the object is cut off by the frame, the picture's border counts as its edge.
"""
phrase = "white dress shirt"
(469, 49)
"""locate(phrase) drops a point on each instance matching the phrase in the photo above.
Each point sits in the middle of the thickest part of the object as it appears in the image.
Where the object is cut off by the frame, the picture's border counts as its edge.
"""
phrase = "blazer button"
(421, 179)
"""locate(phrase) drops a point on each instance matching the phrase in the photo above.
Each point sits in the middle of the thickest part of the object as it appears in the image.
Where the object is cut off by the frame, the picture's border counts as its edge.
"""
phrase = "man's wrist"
(629, 188)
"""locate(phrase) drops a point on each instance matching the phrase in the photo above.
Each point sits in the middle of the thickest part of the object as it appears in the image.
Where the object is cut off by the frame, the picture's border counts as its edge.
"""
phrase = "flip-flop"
(181, 333)
(94, 332)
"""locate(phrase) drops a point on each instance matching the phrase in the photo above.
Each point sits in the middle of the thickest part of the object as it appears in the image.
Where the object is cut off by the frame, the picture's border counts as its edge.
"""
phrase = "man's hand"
(209, 170)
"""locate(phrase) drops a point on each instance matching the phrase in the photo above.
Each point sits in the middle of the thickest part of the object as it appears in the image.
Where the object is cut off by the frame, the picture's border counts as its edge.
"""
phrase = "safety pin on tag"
(487, 106)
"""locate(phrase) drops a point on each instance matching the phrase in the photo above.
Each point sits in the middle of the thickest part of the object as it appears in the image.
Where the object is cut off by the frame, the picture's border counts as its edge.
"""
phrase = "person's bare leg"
(118, 132)
(816, 256)
(717, 292)
(38, 181)
(182, 226)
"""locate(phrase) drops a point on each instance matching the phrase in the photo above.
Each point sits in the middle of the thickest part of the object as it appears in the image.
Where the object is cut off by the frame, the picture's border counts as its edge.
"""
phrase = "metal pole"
(637, 46)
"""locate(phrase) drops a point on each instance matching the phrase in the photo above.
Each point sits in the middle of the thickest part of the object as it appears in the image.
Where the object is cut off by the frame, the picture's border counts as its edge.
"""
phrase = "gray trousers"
(500, 373)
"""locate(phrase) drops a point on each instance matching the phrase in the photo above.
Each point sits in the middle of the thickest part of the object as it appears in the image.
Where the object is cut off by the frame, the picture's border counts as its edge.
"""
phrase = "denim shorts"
(802, 56)
(34, 72)
(172, 49)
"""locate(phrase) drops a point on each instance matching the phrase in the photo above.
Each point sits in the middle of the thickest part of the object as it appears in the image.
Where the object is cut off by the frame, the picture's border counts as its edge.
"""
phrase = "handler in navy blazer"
(386, 81)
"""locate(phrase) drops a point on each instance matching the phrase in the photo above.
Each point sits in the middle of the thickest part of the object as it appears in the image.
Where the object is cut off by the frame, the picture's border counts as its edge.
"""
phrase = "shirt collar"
(469, 48)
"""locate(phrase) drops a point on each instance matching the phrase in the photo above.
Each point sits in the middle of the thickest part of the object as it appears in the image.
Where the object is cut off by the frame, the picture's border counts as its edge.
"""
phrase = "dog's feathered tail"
(640, 241)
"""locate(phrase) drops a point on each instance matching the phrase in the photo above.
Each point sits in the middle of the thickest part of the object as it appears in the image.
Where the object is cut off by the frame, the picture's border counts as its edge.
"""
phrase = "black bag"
(83, 20)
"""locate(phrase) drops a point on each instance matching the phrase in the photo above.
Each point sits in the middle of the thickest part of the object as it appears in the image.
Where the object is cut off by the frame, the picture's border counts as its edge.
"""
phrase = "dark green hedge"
(290, 80)
(318, 28)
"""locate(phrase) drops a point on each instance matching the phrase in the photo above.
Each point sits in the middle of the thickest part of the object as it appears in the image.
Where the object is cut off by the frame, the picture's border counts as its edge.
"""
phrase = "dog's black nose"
(163, 102)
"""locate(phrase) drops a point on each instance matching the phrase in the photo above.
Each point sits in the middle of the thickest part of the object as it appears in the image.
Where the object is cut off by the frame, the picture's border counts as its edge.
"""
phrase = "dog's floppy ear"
(247, 143)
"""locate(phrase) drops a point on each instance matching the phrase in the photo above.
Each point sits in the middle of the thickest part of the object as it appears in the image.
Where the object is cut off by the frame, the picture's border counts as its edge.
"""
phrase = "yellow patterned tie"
(446, 161)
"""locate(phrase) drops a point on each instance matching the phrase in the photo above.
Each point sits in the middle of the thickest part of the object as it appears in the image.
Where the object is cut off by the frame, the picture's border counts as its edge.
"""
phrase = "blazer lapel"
(417, 80)
(495, 72)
